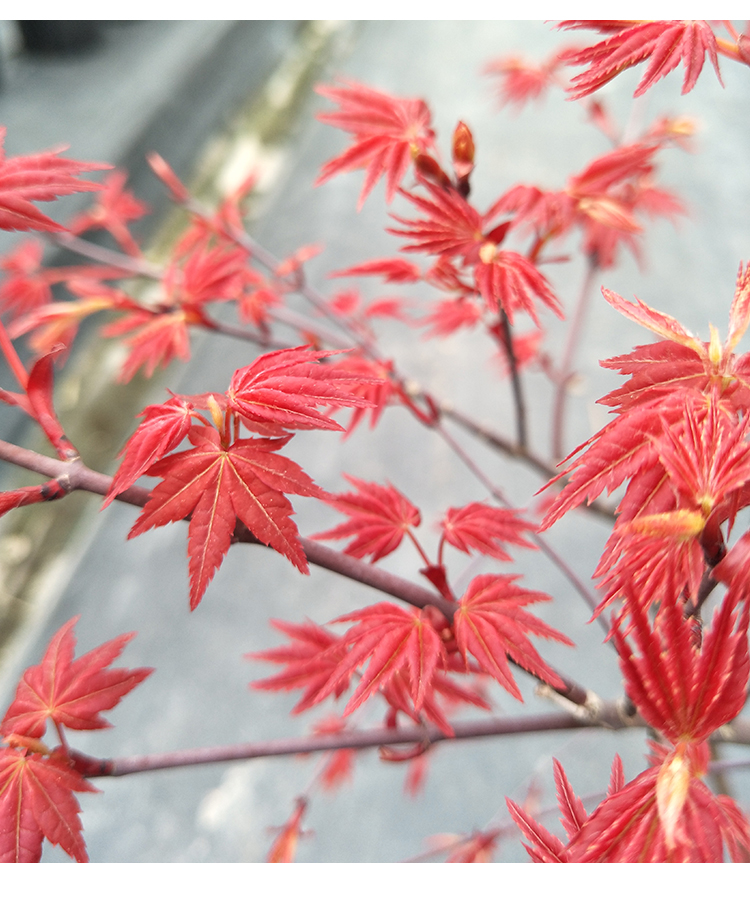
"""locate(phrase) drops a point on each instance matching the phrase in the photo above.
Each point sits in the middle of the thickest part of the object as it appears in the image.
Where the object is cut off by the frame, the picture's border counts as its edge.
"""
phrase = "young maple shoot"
(676, 447)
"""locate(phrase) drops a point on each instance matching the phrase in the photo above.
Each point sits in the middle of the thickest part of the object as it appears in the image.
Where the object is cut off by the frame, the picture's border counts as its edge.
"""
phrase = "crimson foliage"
(675, 449)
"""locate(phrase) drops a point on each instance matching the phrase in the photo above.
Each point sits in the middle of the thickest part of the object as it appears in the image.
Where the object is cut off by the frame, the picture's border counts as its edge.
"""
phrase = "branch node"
(588, 711)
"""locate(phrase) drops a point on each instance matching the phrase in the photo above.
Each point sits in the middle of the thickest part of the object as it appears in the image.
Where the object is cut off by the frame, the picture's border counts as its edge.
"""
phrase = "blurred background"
(217, 99)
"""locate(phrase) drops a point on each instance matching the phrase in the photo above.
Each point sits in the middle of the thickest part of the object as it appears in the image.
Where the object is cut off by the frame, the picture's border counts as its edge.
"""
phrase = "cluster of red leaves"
(207, 266)
(685, 690)
(38, 785)
(663, 43)
(412, 657)
(387, 133)
(157, 332)
(679, 439)
(25, 180)
(225, 478)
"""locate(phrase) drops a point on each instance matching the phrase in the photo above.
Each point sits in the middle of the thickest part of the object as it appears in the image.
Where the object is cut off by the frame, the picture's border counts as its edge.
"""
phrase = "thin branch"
(74, 475)
(518, 399)
(128, 264)
(566, 372)
(591, 600)
(357, 740)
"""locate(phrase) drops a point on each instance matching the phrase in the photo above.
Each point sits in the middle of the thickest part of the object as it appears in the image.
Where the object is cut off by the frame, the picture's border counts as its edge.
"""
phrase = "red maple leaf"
(163, 428)
(313, 655)
(686, 692)
(376, 386)
(156, 339)
(520, 81)
(215, 485)
(485, 529)
(114, 208)
(28, 284)
(71, 692)
(388, 133)
(664, 43)
(452, 227)
(491, 624)
(38, 177)
(379, 519)
(666, 814)
(395, 641)
(37, 802)
(450, 315)
(282, 389)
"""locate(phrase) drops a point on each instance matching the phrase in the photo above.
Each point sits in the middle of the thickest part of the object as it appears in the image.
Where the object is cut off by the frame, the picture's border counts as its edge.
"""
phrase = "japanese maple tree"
(671, 588)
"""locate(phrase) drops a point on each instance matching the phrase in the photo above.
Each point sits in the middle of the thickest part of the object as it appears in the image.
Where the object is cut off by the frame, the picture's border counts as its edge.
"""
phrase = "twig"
(566, 365)
(359, 740)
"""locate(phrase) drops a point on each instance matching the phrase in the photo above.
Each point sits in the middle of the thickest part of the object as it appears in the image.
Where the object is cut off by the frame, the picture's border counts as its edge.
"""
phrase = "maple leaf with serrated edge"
(683, 691)
(379, 519)
(309, 660)
(666, 814)
(216, 485)
(37, 802)
(485, 529)
(520, 81)
(38, 177)
(454, 228)
(546, 847)
(622, 449)
(156, 340)
(388, 133)
(682, 360)
(394, 640)
(376, 386)
(282, 389)
(113, 209)
(162, 430)
(71, 692)
(491, 625)
(664, 43)
(651, 567)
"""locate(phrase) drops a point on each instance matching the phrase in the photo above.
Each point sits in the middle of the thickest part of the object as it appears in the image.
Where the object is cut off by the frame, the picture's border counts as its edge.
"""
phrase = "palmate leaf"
(215, 486)
(71, 692)
(379, 519)
(37, 802)
(685, 692)
(282, 390)
(485, 529)
(395, 641)
(312, 656)
(163, 428)
(622, 449)
(627, 826)
(664, 43)
(387, 132)
(25, 180)
(491, 625)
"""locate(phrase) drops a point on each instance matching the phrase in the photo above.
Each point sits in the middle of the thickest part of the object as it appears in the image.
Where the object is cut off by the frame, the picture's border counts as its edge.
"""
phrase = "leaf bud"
(463, 150)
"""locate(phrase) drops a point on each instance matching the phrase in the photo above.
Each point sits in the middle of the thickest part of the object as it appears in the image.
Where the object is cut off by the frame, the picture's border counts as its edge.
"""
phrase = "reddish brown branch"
(74, 475)
(610, 717)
